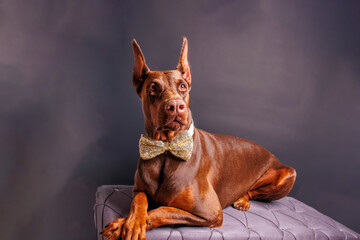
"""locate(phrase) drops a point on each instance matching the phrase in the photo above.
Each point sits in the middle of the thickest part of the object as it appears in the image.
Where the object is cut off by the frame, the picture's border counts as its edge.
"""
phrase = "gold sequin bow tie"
(181, 146)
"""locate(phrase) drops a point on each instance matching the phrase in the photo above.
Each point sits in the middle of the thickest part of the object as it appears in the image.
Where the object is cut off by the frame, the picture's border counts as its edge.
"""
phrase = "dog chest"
(165, 176)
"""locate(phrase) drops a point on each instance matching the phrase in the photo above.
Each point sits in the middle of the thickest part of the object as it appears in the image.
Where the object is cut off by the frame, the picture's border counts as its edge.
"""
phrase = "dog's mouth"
(169, 127)
(169, 130)
(172, 124)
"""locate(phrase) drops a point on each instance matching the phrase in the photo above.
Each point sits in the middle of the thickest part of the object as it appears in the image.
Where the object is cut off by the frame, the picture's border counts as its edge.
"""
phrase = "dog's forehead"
(169, 75)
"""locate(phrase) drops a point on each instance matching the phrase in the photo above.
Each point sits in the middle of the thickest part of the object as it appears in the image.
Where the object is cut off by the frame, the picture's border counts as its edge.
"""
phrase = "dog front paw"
(135, 227)
(242, 204)
(113, 229)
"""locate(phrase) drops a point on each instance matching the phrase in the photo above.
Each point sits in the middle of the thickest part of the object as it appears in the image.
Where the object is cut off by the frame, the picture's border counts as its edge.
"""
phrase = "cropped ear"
(183, 65)
(140, 69)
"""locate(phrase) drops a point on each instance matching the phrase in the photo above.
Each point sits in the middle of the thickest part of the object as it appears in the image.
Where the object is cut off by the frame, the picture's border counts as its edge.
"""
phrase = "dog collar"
(181, 146)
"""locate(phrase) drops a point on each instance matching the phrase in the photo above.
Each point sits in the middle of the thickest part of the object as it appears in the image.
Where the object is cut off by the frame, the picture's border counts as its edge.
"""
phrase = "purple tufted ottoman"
(286, 218)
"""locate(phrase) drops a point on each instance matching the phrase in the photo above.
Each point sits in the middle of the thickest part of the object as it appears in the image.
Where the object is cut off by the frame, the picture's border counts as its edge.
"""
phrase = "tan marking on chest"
(184, 200)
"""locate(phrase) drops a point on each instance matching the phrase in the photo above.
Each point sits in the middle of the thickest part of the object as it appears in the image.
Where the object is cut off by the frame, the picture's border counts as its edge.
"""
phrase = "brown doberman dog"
(190, 173)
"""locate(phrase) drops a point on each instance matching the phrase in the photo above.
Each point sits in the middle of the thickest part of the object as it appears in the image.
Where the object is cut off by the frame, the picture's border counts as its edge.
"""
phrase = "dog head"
(164, 95)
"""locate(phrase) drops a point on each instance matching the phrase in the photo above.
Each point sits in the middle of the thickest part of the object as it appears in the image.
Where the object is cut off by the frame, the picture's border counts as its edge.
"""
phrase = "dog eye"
(153, 87)
(182, 87)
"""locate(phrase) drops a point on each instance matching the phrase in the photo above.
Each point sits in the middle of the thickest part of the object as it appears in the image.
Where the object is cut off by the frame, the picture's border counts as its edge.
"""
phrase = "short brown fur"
(223, 170)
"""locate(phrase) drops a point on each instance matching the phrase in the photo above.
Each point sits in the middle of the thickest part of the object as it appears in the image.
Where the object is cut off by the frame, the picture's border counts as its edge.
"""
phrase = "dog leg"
(274, 184)
(132, 227)
(175, 216)
(139, 220)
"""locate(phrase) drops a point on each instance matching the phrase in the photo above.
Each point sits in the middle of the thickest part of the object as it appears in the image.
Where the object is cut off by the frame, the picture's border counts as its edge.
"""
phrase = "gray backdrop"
(285, 74)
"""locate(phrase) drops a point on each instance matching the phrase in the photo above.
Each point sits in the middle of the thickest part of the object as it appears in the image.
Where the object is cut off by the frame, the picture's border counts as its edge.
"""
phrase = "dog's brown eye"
(153, 87)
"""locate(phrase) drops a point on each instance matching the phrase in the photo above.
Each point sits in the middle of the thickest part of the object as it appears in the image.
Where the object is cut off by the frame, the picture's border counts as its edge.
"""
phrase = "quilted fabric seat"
(286, 218)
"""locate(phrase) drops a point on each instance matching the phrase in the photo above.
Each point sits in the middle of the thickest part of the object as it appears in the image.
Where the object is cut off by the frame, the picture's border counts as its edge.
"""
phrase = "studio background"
(284, 74)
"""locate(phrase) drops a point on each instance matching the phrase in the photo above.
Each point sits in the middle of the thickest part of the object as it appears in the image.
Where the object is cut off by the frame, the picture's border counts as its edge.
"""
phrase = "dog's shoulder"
(219, 145)
(221, 140)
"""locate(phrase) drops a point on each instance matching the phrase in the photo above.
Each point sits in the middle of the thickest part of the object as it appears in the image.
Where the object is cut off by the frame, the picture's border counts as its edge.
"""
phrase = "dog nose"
(175, 106)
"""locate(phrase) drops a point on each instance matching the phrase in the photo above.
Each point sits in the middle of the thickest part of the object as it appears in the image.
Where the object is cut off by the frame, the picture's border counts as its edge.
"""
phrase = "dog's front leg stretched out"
(132, 227)
(139, 220)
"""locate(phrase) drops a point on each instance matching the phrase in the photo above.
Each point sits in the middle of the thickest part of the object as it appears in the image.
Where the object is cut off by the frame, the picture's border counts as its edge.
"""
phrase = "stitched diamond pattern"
(286, 218)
